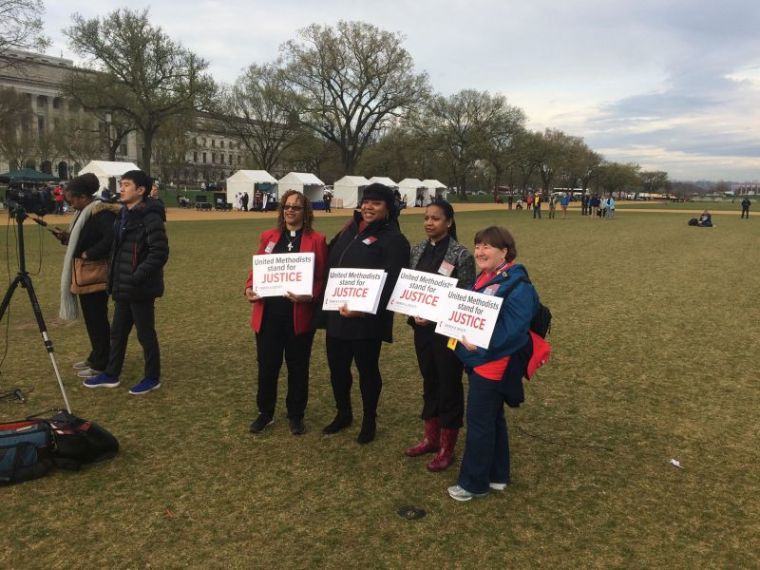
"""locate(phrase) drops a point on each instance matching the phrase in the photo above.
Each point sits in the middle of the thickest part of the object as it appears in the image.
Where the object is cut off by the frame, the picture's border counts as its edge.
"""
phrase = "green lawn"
(656, 349)
(714, 206)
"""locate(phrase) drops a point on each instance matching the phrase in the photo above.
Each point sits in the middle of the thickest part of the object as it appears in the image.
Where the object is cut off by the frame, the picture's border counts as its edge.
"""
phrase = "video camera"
(39, 202)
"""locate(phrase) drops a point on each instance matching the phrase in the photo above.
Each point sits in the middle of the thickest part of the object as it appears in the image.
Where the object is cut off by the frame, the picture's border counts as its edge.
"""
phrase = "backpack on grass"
(78, 442)
(25, 450)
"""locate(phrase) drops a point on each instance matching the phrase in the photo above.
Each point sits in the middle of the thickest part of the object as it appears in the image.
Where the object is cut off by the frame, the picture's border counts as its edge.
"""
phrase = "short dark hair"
(499, 237)
(84, 185)
(308, 211)
(140, 178)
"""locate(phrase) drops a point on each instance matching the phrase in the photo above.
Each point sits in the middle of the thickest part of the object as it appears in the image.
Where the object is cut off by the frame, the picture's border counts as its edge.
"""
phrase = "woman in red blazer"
(283, 324)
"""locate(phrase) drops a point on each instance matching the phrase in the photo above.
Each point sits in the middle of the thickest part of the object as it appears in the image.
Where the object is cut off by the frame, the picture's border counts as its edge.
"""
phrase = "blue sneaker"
(101, 380)
(146, 385)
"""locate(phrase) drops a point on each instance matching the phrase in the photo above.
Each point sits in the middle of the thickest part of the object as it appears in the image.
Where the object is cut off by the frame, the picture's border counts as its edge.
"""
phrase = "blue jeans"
(486, 448)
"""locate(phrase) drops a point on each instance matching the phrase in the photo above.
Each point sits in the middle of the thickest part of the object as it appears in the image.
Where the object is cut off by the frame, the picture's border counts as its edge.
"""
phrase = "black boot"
(367, 433)
(341, 422)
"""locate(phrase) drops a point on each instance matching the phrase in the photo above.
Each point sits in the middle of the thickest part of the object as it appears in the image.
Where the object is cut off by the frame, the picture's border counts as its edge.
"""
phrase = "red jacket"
(302, 312)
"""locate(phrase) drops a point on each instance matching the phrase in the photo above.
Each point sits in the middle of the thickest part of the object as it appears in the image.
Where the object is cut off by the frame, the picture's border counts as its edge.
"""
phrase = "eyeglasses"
(293, 208)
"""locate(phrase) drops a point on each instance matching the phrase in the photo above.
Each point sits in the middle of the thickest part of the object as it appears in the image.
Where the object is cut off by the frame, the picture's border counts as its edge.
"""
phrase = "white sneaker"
(81, 365)
(460, 494)
(497, 486)
(88, 373)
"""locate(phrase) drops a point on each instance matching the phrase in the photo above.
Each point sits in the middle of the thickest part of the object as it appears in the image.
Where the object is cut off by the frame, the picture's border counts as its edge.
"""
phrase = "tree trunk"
(147, 151)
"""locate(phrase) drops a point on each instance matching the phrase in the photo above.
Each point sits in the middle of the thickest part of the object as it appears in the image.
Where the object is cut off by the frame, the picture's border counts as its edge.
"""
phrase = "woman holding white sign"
(496, 373)
(283, 325)
(442, 392)
(371, 240)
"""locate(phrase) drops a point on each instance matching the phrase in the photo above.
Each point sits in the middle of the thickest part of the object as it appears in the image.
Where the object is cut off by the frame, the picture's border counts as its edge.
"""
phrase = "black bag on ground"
(694, 222)
(25, 450)
(78, 441)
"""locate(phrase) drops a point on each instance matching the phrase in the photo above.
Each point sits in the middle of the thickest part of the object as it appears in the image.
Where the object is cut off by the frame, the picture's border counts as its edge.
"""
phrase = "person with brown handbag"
(85, 267)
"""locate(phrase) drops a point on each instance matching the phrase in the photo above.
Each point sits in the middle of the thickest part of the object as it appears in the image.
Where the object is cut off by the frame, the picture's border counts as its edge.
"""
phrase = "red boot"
(429, 442)
(445, 456)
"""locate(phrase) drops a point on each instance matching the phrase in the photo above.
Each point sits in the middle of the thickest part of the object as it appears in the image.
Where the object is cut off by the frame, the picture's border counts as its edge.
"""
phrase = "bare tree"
(143, 73)
(466, 128)
(616, 177)
(353, 80)
(261, 111)
(17, 141)
(21, 28)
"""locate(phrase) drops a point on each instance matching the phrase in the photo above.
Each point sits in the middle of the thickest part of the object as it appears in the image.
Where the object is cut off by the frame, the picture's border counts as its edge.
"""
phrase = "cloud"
(676, 79)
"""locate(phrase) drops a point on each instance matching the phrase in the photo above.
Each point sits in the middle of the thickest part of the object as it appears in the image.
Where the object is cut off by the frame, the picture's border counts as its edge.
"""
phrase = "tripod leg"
(26, 283)
(9, 295)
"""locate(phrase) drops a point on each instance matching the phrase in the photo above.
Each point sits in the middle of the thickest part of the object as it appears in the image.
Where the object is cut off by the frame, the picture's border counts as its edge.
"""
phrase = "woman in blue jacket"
(495, 373)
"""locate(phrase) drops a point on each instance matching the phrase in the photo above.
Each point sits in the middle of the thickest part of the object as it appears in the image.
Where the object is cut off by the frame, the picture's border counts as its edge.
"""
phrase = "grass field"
(656, 348)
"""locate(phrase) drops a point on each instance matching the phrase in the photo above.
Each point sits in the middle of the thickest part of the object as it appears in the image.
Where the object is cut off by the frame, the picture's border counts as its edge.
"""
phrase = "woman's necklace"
(292, 235)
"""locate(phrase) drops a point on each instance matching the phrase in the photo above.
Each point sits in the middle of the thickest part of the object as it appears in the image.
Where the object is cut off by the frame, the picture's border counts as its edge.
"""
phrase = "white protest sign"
(276, 274)
(469, 314)
(358, 289)
(420, 294)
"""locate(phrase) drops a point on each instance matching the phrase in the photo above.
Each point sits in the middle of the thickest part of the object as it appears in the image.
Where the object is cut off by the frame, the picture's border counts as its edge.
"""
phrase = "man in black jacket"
(140, 251)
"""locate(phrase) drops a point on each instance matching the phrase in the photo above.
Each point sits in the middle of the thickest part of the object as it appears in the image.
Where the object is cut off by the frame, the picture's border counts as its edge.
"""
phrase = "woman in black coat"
(89, 238)
(371, 240)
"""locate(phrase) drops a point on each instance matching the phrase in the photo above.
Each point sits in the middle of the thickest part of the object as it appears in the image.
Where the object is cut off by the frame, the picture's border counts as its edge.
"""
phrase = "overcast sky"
(670, 84)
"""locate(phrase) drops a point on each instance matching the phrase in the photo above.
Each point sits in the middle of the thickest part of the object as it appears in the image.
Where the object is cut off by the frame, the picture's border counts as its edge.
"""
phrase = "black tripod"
(23, 279)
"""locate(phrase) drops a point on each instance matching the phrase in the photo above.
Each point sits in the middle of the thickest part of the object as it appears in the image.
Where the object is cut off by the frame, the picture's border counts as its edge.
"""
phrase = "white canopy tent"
(247, 182)
(105, 169)
(435, 189)
(305, 182)
(411, 189)
(347, 192)
(384, 180)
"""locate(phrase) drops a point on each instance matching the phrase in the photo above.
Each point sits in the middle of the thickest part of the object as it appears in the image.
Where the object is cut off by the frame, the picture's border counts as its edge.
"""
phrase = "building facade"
(59, 137)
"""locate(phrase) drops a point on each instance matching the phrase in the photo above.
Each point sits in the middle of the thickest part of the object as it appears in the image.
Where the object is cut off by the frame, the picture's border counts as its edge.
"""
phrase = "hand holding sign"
(420, 294)
(353, 291)
(299, 298)
(277, 274)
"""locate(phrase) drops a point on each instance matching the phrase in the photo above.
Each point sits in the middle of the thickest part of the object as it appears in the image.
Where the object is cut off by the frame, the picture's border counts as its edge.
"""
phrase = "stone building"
(64, 137)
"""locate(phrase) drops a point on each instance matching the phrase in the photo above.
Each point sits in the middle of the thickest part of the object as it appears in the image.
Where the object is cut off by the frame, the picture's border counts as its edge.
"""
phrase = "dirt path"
(186, 215)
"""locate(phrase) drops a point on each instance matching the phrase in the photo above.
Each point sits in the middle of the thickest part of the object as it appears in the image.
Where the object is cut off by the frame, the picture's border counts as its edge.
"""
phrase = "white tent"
(347, 192)
(105, 169)
(435, 189)
(305, 182)
(411, 189)
(248, 181)
(384, 180)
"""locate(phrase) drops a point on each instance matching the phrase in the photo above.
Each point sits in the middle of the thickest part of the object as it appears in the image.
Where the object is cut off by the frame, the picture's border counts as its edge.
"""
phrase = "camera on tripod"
(38, 202)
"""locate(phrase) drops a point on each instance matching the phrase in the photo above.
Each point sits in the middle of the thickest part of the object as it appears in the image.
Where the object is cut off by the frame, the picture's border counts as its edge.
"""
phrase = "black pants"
(142, 315)
(366, 354)
(745, 213)
(276, 338)
(442, 392)
(95, 313)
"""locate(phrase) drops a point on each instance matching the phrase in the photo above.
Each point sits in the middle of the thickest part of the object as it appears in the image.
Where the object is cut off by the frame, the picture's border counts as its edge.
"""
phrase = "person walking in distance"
(136, 278)
(745, 208)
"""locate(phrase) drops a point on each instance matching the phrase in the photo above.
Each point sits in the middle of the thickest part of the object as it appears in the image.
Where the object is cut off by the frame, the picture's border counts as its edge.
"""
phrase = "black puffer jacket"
(139, 253)
(380, 246)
